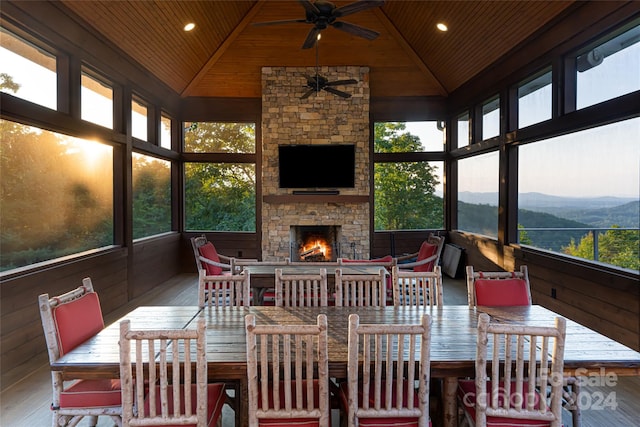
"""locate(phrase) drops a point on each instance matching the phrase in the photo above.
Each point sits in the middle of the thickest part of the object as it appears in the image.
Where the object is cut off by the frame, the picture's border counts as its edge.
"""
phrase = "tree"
(615, 247)
(220, 196)
(404, 191)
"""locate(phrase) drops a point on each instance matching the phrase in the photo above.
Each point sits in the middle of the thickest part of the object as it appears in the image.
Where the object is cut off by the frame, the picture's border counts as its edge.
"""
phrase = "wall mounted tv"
(317, 166)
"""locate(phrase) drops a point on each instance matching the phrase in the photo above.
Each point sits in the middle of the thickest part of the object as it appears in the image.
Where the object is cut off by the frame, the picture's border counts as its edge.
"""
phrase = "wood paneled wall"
(601, 299)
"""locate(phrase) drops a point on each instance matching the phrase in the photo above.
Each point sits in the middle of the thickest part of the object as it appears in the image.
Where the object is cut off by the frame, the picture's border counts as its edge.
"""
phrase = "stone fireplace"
(323, 118)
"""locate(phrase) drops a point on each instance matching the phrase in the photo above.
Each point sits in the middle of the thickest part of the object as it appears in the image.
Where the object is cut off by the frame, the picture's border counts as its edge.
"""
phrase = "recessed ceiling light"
(190, 26)
(442, 26)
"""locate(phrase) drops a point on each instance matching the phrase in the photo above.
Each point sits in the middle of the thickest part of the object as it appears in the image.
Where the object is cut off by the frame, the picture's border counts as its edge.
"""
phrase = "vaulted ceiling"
(224, 54)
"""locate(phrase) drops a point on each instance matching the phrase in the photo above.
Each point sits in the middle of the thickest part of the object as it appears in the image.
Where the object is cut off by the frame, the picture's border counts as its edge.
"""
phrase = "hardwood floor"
(26, 403)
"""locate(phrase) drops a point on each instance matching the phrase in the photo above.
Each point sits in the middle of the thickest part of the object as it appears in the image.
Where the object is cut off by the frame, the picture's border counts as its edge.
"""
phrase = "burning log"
(311, 251)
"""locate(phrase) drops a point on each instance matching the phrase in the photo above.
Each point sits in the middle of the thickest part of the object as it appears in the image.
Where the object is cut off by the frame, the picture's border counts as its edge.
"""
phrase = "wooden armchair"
(417, 288)
(69, 320)
(525, 361)
(224, 290)
(498, 288)
(427, 257)
(288, 374)
(361, 290)
(388, 374)
(159, 387)
(301, 290)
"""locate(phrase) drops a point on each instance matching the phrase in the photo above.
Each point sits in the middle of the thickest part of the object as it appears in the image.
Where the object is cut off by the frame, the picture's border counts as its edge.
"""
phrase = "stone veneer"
(323, 118)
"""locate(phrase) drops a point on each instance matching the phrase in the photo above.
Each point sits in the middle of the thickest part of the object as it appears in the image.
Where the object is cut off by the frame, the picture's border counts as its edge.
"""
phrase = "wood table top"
(453, 338)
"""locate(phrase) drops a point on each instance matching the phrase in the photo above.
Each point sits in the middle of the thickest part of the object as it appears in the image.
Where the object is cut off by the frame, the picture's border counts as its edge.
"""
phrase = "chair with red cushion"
(224, 290)
(288, 374)
(417, 288)
(69, 320)
(498, 288)
(157, 369)
(208, 259)
(301, 290)
(427, 257)
(526, 361)
(388, 374)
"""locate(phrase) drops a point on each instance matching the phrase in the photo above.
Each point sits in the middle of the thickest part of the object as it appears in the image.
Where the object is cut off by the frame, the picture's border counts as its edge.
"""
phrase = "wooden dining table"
(453, 341)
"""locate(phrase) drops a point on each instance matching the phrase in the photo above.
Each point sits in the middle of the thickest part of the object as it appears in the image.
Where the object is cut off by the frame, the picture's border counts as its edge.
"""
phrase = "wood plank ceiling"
(224, 54)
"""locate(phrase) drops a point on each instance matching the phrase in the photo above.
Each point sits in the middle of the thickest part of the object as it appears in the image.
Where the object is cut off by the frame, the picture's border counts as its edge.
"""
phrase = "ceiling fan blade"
(356, 7)
(311, 39)
(356, 30)
(309, 7)
(342, 82)
(337, 92)
(307, 94)
(285, 21)
(310, 79)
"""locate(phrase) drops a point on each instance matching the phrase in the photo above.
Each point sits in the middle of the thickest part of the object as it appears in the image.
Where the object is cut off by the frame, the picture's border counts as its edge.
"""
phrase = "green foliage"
(404, 191)
(151, 196)
(215, 137)
(615, 247)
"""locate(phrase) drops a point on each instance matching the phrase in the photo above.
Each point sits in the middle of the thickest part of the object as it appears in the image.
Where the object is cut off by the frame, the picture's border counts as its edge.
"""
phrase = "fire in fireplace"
(314, 243)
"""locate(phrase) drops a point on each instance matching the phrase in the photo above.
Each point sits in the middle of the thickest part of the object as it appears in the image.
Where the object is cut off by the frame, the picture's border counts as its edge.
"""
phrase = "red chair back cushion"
(426, 250)
(501, 292)
(76, 321)
(209, 251)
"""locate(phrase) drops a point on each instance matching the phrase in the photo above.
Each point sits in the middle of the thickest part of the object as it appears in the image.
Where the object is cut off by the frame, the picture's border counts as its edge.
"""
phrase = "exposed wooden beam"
(394, 33)
(222, 49)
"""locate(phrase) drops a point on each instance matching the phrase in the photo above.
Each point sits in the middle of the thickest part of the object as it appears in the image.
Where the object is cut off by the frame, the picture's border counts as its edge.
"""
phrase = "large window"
(139, 120)
(534, 100)
(165, 131)
(220, 195)
(213, 137)
(97, 101)
(462, 122)
(491, 118)
(151, 196)
(408, 195)
(57, 195)
(27, 71)
(478, 194)
(585, 200)
(609, 70)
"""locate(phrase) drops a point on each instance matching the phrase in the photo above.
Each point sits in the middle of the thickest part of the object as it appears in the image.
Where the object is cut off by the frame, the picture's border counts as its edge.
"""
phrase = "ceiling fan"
(317, 83)
(323, 13)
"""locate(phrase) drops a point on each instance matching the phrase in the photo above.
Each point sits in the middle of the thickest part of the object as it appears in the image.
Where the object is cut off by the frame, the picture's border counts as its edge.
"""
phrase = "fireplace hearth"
(314, 243)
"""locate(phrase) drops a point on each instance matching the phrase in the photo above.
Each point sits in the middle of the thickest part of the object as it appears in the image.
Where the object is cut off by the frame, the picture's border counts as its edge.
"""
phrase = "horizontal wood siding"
(155, 261)
(600, 299)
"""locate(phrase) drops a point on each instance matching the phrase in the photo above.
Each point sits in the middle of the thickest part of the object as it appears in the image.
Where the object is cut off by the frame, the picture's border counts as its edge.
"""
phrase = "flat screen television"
(317, 166)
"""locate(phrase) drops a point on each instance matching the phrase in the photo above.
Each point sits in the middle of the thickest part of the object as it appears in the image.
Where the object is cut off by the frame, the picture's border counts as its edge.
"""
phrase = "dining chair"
(158, 384)
(388, 374)
(417, 288)
(361, 289)
(498, 288)
(427, 257)
(301, 290)
(525, 380)
(224, 290)
(288, 374)
(69, 320)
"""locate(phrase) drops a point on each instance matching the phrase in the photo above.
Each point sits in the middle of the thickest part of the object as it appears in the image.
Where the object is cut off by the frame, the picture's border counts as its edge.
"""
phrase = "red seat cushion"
(467, 395)
(426, 250)
(379, 422)
(215, 400)
(209, 251)
(76, 321)
(504, 292)
(91, 394)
